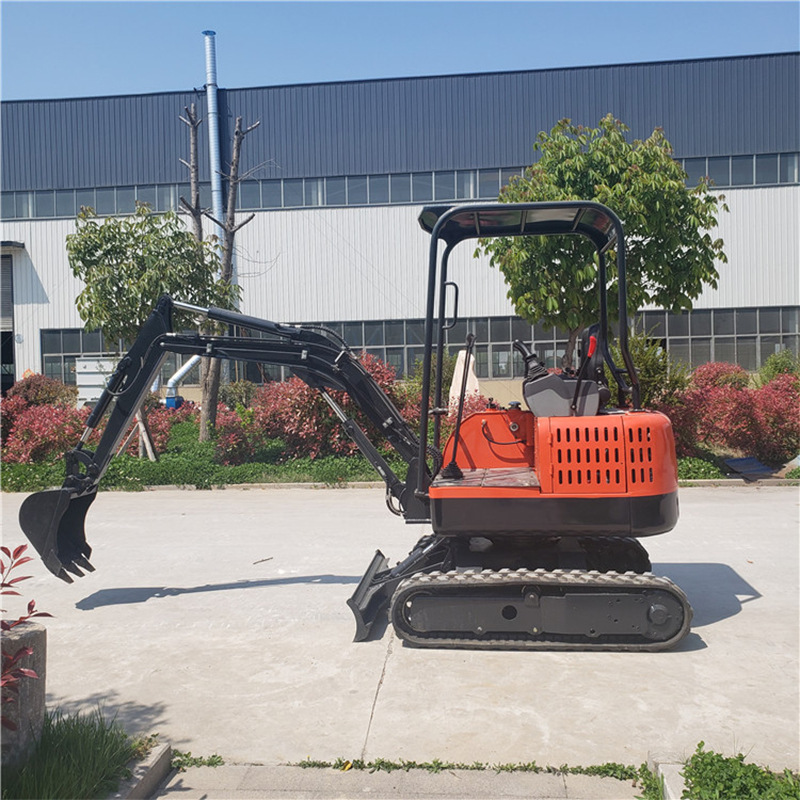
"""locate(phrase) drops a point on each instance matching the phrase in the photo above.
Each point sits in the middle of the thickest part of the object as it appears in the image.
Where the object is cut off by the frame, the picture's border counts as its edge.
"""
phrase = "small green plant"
(794, 473)
(80, 756)
(711, 776)
(238, 393)
(784, 362)
(642, 776)
(661, 377)
(182, 761)
(695, 469)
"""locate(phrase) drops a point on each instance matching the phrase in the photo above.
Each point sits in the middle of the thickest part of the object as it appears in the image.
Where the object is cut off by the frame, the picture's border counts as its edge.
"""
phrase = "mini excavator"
(535, 512)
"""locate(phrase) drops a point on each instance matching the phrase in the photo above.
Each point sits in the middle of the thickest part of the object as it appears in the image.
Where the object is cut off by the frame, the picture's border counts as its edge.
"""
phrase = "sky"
(94, 48)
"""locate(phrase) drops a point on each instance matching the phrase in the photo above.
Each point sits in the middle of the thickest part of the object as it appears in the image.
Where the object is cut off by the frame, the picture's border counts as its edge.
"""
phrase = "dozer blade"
(53, 521)
(370, 596)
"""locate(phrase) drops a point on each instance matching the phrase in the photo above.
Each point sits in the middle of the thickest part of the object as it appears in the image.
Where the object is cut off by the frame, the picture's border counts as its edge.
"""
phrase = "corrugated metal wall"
(371, 263)
(707, 107)
(762, 242)
(44, 287)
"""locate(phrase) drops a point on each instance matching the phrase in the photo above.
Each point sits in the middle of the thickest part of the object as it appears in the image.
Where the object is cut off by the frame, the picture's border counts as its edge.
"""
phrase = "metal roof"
(707, 107)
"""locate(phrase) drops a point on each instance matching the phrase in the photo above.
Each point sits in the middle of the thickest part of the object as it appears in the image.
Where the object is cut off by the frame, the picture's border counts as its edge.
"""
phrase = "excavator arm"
(53, 520)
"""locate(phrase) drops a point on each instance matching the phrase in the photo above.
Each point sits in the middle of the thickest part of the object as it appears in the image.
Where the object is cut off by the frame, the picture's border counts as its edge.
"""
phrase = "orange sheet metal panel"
(494, 439)
(628, 453)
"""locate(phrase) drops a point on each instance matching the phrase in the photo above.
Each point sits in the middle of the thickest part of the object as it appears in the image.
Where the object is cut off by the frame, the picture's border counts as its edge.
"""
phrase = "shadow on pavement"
(141, 594)
(716, 591)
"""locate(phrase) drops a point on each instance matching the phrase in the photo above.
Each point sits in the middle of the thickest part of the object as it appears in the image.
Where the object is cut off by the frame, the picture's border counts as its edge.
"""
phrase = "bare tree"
(193, 205)
(210, 371)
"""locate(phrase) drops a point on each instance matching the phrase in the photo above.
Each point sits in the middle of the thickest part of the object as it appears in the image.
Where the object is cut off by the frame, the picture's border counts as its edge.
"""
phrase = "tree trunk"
(212, 372)
(568, 359)
(209, 383)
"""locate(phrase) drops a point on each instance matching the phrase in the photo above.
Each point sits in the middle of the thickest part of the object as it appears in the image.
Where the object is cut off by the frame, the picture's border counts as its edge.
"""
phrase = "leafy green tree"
(670, 251)
(127, 263)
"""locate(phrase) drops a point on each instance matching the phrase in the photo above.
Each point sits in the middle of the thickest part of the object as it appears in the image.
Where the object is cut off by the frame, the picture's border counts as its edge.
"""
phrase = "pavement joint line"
(375, 699)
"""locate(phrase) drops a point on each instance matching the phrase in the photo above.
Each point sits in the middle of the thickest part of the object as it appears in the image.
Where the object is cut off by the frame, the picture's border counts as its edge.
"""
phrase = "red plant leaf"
(27, 673)
(18, 551)
(6, 551)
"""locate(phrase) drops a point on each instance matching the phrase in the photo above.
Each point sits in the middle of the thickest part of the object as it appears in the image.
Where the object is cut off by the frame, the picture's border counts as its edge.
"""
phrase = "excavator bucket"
(53, 521)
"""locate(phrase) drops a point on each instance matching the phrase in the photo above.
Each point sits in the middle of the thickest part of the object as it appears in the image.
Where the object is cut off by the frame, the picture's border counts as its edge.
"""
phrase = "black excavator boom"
(53, 520)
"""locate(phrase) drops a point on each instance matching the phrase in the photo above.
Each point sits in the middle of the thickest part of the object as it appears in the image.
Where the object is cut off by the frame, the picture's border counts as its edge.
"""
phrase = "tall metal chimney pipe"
(213, 126)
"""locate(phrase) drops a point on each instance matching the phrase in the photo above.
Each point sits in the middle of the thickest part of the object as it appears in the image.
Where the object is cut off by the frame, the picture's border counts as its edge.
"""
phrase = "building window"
(357, 192)
(249, 195)
(379, 189)
(60, 348)
(400, 188)
(422, 187)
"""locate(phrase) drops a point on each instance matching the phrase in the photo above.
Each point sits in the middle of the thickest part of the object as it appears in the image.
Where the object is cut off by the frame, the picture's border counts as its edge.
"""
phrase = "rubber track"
(583, 579)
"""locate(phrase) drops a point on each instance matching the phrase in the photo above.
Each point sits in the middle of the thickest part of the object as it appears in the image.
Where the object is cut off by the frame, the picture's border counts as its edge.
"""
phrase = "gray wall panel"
(707, 107)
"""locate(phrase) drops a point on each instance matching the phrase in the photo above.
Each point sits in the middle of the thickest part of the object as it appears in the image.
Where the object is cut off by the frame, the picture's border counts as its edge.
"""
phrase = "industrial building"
(338, 173)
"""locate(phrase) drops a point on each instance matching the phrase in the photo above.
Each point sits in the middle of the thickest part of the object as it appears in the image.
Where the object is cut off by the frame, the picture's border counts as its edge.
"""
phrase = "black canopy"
(471, 221)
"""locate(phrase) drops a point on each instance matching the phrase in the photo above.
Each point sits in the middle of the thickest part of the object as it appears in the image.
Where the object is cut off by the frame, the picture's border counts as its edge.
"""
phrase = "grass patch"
(182, 761)
(77, 757)
(710, 776)
(641, 776)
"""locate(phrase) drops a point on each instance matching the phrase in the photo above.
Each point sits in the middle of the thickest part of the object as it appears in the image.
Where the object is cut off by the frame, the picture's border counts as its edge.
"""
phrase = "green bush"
(39, 390)
(710, 776)
(238, 393)
(31, 477)
(784, 362)
(661, 378)
(694, 469)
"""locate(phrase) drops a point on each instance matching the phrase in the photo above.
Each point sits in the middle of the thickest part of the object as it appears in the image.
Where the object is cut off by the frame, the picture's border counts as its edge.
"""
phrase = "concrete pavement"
(218, 619)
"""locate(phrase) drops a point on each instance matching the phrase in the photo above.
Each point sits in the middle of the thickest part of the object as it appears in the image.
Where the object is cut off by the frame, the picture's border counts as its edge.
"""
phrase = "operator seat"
(549, 395)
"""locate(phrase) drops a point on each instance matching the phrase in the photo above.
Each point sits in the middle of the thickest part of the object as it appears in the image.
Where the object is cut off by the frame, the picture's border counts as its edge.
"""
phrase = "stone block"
(27, 709)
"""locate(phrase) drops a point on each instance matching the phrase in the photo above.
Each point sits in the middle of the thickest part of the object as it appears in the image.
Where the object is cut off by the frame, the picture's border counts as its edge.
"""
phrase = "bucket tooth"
(64, 575)
(72, 567)
(83, 563)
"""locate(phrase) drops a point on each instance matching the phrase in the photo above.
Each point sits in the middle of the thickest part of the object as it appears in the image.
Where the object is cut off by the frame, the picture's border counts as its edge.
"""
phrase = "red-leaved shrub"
(778, 408)
(718, 374)
(763, 423)
(297, 414)
(234, 443)
(44, 433)
(39, 390)
(10, 409)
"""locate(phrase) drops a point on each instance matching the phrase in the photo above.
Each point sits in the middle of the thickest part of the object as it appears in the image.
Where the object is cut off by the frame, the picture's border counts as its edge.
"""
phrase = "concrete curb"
(684, 484)
(667, 768)
(146, 775)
